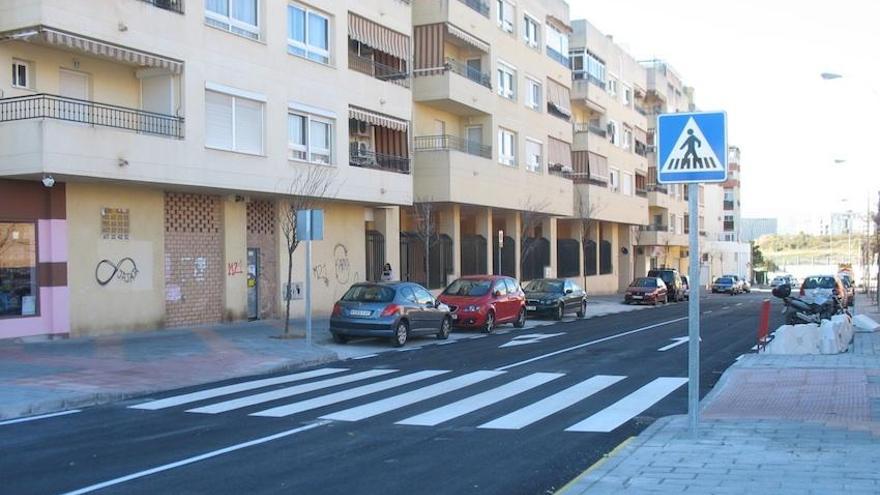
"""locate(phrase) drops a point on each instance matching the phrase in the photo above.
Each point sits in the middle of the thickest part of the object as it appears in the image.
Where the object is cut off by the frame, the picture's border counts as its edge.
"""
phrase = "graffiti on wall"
(234, 268)
(320, 273)
(125, 270)
(342, 265)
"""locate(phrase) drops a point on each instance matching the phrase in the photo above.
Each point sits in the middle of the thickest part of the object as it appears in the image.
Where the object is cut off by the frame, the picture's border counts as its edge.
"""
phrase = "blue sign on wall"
(692, 147)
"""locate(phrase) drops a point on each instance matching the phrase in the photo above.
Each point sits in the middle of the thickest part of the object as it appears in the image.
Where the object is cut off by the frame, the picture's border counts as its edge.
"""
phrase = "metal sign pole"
(309, 280)
(694, 310)
(500, 247)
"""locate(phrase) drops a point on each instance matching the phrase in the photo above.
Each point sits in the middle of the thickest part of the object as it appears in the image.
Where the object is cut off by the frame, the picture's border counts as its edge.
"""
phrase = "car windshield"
(819, 283)
(465, 287)
(724, 280)
(644, 282)
(369, 293)
(544, 286)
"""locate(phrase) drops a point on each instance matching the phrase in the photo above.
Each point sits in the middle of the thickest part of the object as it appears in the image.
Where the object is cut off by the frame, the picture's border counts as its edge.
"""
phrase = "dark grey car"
(555, 297)
(396, 310)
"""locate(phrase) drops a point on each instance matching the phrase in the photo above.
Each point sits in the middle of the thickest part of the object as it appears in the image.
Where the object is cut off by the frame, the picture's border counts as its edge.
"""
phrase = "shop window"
(18, 269)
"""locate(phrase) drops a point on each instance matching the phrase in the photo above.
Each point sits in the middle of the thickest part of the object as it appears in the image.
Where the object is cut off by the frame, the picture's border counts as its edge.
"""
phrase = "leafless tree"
(532, 215)
(308, 187)
(586, 211)
(635, 235)
(425, 217)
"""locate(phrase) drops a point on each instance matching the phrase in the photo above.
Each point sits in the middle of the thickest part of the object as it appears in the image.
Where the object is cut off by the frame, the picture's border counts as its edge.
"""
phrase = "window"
(533, 94)
(628, 184)
(530, 31)
(534, 156)
(499, 288)
(673, 223)
(310, 138)
(627, 95)
(627, 138)
(611, 87)
(614, 183)
(21, 74)
(506, 81)
(613, 133)
(728, 194)
(236, 16)
(308, 34)
(233, 123)
(506, 147)
(423, 297)
(596, 68)
(557, 41)
(18, 269)
(505, 15)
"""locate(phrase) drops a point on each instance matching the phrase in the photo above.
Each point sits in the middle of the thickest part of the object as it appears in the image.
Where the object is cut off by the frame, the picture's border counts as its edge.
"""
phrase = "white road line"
(232, 389)
(42, 416)
(282, 393)
(592, 342)
(382, 406)
(326, 400)
(707, 312)
(628, 407)
(552, 404)
(366, 356)
(479, 401)
(739, 304)
(194, 459)
(447, 342)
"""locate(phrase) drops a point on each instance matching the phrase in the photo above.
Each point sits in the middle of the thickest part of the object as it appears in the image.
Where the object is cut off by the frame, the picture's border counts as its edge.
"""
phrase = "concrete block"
(864, 323)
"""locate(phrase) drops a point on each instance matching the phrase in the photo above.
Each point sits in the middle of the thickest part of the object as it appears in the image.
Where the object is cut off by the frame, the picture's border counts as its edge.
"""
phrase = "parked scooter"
(798, 311)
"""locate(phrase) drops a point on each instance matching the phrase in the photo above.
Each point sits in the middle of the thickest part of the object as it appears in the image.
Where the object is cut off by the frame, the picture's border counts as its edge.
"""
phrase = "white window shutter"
(218, 120)
(248, 126)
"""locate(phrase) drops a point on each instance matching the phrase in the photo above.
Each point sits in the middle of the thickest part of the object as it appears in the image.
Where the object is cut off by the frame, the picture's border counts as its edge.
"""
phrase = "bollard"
(764, 325)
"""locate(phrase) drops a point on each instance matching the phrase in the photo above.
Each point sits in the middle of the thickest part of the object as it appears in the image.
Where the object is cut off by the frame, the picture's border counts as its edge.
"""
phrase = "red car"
(650, 290)
(485, 301)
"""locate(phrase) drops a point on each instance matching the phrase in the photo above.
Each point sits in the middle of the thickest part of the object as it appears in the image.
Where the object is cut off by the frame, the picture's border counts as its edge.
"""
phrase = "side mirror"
(782, 291)
(568, 291)
(497, 293)
(437, 303)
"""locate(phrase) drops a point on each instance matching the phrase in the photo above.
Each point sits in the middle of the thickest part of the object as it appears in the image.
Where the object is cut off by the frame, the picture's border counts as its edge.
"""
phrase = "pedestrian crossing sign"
(692, 147)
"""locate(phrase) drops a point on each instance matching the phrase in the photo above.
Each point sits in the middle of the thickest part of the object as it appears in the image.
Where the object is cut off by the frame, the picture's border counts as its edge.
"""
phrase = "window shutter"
(218, 120)
(248, 126)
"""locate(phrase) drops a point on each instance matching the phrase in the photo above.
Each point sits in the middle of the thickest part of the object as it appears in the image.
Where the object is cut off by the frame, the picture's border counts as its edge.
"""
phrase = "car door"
(577, 296)
(515, 297)
(432, 315)
(413, 311)
(568, 296)
(499, 297)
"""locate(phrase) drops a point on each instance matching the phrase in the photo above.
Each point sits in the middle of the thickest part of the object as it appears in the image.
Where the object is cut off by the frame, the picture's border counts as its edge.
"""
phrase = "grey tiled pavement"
(772, 425)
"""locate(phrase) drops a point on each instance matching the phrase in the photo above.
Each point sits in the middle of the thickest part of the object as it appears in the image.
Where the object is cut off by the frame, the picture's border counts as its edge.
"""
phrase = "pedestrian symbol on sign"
(689, 152)
(691, 147)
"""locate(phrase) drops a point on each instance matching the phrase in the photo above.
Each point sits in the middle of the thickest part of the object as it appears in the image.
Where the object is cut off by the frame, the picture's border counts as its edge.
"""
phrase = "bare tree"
(306, 188)
(532, 214)
(586, 211)
(425, 217)
(635, 235)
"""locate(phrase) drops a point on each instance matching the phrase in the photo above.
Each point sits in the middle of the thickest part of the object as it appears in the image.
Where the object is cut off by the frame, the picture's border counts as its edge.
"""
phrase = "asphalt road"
(469, 416)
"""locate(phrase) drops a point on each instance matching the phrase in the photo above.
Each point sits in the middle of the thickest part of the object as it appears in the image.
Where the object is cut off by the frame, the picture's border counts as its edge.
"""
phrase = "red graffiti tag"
(234, 268)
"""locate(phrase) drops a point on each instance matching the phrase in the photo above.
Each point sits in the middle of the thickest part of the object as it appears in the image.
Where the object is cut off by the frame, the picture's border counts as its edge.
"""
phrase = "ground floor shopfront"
(91, 258)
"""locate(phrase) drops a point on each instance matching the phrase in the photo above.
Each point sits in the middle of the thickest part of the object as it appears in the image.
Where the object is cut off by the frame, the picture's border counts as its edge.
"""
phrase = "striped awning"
(598, 166)
(88, 46)
(558, 153)
(378, 119)
(467, 38)
(559, 96)
(377, 36)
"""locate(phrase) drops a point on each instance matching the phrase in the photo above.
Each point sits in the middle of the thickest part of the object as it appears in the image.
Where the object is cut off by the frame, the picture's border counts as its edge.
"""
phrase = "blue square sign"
(692, 147)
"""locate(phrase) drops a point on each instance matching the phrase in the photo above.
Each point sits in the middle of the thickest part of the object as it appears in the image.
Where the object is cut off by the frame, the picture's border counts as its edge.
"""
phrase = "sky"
(761, 61)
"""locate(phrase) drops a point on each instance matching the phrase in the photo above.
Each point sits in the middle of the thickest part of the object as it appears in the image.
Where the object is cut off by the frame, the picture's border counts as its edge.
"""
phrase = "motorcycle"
(798, 311)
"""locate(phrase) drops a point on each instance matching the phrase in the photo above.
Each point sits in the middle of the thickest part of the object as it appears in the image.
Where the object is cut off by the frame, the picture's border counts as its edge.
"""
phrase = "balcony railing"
(553, 54)
(585, 127)
(478, 5)
(658, 188)
(729, 226)
(586, 76)
(728, 205)
(469, 72)
(641, 149)
(654, 228)
(172, 5)
(641, 192)
(446, 142)
(380, 161)
(46, 106)
(641, 110)
(370, 67)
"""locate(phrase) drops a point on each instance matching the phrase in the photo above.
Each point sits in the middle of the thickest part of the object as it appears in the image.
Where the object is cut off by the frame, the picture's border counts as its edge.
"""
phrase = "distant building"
(753, 228)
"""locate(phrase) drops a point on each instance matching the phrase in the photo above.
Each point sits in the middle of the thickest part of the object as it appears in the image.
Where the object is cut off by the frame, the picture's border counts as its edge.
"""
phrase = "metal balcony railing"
(553, 54)
(172, 5)
(641, 110)
(370, 67)
(379, 161)
(654, 228)
(471, 73)
(586, 127)
(478, 5)
(728, 205)
(586, 76)
(643, 193)
(46, 106)
(658, 188)
(446, 142)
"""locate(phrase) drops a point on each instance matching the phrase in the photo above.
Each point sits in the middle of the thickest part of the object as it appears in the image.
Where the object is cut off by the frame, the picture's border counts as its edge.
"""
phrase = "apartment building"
(492, 140)
(610, 160)
(148, 151)
(731, 205)
(727, 252)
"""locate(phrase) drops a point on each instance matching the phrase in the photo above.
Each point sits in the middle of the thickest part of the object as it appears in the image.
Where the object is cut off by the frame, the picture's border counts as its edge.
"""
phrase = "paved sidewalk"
(773, 424)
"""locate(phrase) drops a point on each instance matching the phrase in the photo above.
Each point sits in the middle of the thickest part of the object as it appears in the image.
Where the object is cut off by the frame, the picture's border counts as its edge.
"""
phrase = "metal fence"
(473, 255)
(478, 5)
(474, 74)
(375, 244)
(371, 159)
(568, 257)
(172, 5)
(46, 106)
(445, 142)
(370, 67)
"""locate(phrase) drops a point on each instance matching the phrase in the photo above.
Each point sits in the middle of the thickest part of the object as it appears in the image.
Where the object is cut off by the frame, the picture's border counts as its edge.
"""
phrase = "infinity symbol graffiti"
(122, 271)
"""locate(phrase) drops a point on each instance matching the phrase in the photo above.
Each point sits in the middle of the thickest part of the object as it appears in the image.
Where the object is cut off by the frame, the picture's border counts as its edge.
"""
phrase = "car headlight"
(547, 301)
(473, 308)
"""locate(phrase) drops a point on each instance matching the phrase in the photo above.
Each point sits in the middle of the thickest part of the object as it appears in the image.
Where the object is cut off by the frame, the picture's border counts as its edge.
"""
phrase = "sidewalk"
(773, 424)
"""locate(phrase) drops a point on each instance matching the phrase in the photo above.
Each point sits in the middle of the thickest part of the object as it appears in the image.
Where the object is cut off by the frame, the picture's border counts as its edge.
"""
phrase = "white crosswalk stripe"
(326, 400)
(178, 400)
(398, 401)
(250, 400)
(481, 400)
(628, 407)
(552, 404)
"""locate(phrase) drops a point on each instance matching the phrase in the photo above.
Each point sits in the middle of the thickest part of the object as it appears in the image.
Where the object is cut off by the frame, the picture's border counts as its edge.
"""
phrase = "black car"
(556, 297)
(673, 283)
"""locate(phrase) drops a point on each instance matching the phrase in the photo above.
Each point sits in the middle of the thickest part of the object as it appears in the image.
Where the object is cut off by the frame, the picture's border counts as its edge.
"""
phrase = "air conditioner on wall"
(362, 128)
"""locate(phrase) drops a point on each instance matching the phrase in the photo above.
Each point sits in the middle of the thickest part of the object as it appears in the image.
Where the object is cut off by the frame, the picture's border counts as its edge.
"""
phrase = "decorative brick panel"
(261, 234)
(194, 272)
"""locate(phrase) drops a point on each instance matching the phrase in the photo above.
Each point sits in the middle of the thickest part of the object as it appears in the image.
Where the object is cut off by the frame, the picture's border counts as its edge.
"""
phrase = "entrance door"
(73, 84)
(253, 286)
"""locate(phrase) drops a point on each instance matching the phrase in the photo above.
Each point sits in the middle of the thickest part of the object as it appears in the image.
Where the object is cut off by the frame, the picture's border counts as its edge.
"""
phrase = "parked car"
(396, 310)
(740, 283)
(686, 287)
(672, 280)
(824, 285)
(725, 285)
(485, 301)
(649, 290)
(556, 297)
(746, 285)
(782, 280)
(850, 287)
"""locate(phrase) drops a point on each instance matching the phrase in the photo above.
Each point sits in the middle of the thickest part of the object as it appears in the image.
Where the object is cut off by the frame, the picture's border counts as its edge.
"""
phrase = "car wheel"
(339, 338)
(445, 328)
(489, 327)
(401, 333)
(583, 311)
(520, 319)
(560, 313)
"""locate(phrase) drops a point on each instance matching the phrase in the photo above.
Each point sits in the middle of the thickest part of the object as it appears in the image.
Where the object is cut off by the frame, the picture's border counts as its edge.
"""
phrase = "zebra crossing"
(298, 393)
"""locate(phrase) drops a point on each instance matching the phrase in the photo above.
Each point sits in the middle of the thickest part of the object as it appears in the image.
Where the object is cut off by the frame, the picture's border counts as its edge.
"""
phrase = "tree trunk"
(288, 295)
(428, 264)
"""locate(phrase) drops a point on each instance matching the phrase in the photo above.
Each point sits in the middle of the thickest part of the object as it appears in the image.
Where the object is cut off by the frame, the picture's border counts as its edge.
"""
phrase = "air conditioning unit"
(362, 129)
(565, 169)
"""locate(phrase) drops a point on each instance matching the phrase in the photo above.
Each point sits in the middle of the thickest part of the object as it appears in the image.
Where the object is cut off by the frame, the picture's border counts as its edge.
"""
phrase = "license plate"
(454, 316)
(360, 312)
(530, 308)
(637, 297)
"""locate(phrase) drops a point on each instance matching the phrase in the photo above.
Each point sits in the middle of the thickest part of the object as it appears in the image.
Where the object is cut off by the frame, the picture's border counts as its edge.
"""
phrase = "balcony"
(471, 73)
(591, 128)
(452, 143)
(172, 5)
(728, 206)
(641, 110)
(455, 88)
(478, 6)
(729, 226)
(554, 55)
(590, 92)
(611, 206)
(46, 106)
(382, 72)
(660, 235)
(642, 193)
(379, 161)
